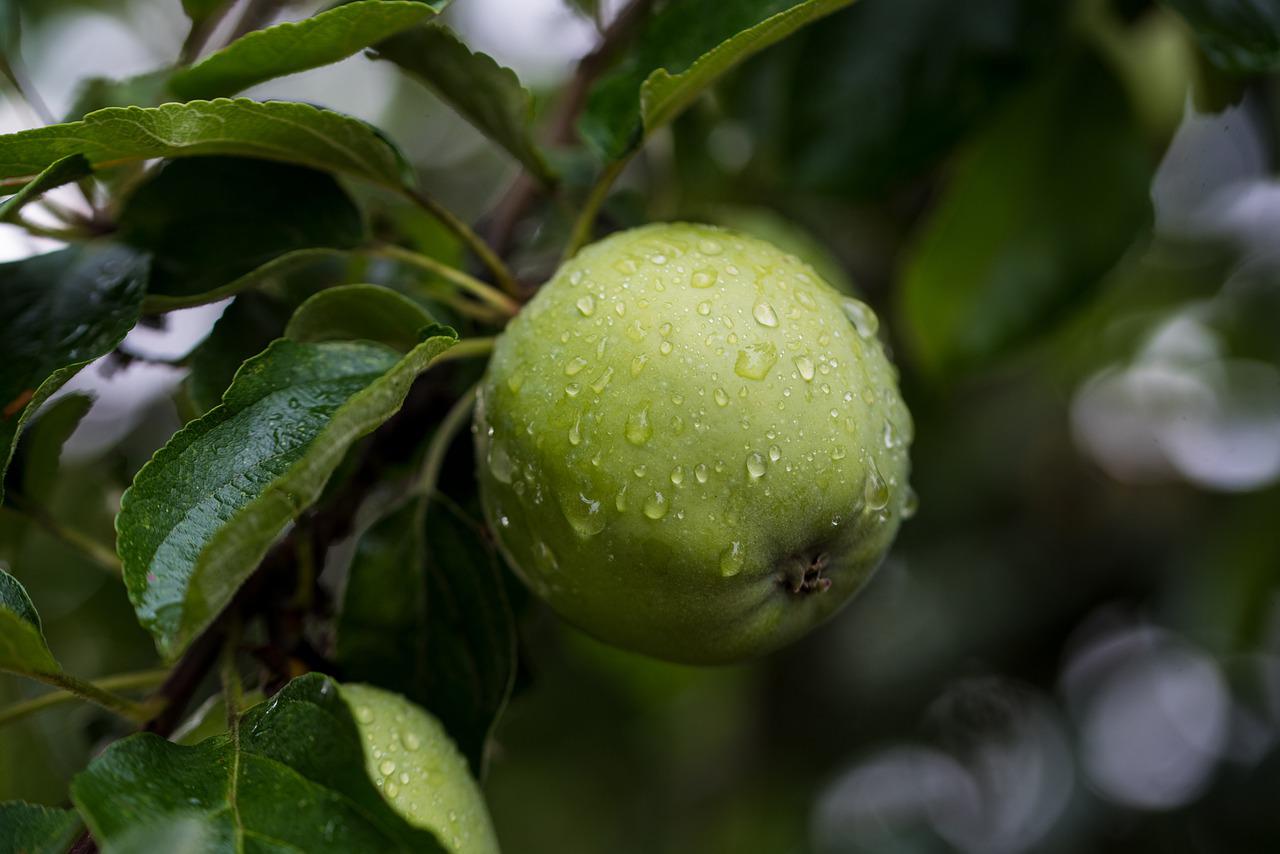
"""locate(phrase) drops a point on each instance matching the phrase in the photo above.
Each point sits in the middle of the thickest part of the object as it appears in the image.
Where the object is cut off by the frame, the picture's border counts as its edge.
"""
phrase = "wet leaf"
(203, 512)
(58, 312)
(292, 776)
(425, 614)
(368, 312)
(275, 130)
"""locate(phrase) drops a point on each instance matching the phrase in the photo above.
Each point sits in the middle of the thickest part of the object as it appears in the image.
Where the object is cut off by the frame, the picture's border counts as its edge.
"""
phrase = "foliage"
(1076, 282)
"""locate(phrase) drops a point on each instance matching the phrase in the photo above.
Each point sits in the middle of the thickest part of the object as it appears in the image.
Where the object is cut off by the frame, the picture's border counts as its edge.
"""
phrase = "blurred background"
(1066, 214)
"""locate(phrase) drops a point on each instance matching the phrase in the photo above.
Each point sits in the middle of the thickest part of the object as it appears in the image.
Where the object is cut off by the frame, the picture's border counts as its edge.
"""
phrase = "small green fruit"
(419, 771)
(691, 446)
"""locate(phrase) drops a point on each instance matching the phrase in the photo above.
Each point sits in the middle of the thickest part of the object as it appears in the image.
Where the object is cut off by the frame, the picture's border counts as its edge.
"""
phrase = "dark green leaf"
(68, 169)
(483, 92)
(22, 645)
(31, 829)
(471, 642)
(293, 777)
(353, 312)
(205, 509)
(10, 28)
(58, 312)
(381, 635)
(98, 93)
(424, 614)
(297, 46)
(275, 130)
(296, 262)
(684, 49)
(35, 464)
(249, 213)
(1039, 210)
(211, 718)
(248, 325)
(881, 91)
(1238, 35)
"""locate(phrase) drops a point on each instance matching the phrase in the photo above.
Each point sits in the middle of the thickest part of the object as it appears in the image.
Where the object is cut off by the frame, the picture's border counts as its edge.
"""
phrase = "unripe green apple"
(420, 771)
(691, 446)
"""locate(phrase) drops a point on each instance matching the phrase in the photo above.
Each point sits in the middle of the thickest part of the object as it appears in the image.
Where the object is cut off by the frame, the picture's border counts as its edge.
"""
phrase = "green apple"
(691, 446)
(420, 771)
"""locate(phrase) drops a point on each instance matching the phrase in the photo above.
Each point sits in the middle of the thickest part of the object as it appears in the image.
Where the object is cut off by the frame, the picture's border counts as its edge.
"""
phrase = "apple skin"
(419, 770)
(691, 446)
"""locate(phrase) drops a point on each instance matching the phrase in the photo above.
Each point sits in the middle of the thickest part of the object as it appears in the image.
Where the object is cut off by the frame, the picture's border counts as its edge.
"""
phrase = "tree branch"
(562, 128)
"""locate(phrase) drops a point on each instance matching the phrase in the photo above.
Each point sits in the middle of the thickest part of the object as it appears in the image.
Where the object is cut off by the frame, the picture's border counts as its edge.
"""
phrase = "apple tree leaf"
(291, 776)
(246, 327)
(1042, 205)
(35, 462)
(425, 614)
(203, 512)
(273, 130)
(250, 213)
(684, 49)
(819, 110)
(22, 646)
(291, 47)
(73, 167)
(58, 312)
(31, 829)
(368, 312)
(483, 92)
(1239, 35)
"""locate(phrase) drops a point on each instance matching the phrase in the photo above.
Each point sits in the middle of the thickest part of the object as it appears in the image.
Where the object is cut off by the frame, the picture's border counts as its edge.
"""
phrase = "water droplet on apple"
(764, 314)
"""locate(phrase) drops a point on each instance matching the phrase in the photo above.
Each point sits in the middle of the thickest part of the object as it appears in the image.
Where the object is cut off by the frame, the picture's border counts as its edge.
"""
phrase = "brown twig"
(200, 32)
(561, 130)
(256, 14)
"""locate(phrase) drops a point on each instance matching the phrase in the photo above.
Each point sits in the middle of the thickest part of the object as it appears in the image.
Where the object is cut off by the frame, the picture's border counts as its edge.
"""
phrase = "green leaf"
(58, 312)
(250, 213)
(684, 49)
(247, 326)
(22, 646)
(142, 90)
(64, 171)
(425, 614)
(881, 91)
(292, 777)
(368, 312)
(1239, 35)
(211, 718)
(30, 829)
(297, 46)
(1040, 208)
(296, 262)
(202, 513)
(35, 463)
(483, 92)
(10, 29)
(275, 130)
